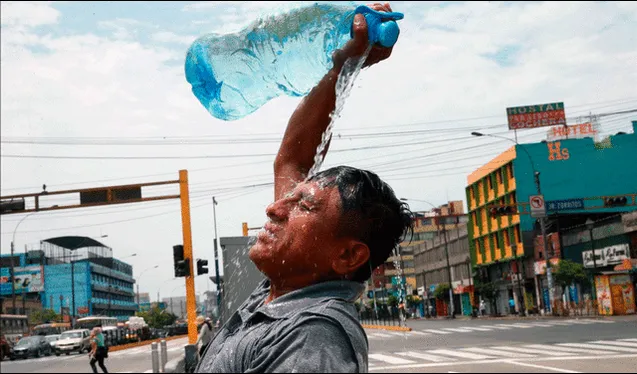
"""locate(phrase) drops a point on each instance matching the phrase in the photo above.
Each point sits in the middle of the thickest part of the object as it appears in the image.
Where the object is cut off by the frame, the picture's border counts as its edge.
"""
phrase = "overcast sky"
(78, 72)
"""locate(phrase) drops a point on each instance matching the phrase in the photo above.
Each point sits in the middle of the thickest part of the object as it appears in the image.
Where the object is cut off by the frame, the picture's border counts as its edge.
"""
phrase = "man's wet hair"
(371, 213)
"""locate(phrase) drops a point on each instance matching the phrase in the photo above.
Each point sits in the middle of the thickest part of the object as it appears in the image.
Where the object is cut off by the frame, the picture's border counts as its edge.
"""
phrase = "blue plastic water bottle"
(233, 75)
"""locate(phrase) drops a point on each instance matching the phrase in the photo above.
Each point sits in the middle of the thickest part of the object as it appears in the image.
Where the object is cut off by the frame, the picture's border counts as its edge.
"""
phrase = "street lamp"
(217, 248)
(12, 260)
(444, 234)
(536, 177)
(139, 277)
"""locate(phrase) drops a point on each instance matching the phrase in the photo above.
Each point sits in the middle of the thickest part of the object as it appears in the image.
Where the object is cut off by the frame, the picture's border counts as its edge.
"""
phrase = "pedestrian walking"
(99, 351)
(205, 334)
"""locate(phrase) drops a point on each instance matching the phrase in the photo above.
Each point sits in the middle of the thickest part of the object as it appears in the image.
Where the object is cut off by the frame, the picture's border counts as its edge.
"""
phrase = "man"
(323, 238)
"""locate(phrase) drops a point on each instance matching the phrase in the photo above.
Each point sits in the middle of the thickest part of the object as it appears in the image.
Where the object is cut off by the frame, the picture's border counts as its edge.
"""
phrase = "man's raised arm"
(312, 116)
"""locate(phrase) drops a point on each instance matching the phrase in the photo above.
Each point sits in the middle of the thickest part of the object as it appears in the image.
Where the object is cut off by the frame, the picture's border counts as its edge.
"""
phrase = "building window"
(498, 176)
(489, 183)
(497, 241)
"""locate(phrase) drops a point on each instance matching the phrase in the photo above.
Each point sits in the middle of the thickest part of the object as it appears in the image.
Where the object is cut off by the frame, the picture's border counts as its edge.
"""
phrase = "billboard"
(27, 279)
(534, 116)
(579, 131)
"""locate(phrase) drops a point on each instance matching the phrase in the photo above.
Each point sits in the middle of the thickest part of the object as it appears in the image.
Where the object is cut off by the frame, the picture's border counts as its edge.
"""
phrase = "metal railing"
(587, 308)
(382, 316)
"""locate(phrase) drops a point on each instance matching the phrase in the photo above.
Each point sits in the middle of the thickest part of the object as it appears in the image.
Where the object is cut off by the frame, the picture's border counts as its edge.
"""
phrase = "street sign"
(570, 204)
(538, 207)
(532, 116)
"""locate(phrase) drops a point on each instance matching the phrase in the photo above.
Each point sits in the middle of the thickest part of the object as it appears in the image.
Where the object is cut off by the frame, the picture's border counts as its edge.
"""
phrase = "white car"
(73, 341)
(52, 339)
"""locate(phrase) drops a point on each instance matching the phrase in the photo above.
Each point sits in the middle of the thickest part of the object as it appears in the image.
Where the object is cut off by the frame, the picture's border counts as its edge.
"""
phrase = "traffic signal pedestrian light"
(615, 201)
(501, 210)
(202, 266)
(181, 264)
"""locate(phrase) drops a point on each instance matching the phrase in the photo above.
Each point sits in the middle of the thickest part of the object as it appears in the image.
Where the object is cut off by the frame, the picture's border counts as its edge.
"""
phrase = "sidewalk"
(530, 317)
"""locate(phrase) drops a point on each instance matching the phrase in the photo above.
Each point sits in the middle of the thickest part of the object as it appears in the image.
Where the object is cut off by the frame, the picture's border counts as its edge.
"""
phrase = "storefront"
(615, 293)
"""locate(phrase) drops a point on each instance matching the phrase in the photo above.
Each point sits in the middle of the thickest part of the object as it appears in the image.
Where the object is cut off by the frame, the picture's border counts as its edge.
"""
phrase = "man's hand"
(359, 43)
(312, 116)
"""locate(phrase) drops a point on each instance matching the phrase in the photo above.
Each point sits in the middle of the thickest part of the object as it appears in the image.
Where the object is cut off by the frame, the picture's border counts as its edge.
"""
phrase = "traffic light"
(615, 201)
(501, 210)
(181, 265)
(202, 266)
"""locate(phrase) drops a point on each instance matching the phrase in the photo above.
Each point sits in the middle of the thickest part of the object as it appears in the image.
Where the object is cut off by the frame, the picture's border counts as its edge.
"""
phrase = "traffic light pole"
(191, 307)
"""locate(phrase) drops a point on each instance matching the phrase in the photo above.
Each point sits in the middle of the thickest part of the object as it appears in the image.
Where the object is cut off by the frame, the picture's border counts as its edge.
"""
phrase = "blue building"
(576, 175)
(79, 277)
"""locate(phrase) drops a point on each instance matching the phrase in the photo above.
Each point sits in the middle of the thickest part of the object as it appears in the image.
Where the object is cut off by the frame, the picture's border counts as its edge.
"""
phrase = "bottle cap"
(381, 26)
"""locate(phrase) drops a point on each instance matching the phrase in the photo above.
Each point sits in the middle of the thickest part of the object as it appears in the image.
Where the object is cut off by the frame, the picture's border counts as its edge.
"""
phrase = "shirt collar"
(282, 307)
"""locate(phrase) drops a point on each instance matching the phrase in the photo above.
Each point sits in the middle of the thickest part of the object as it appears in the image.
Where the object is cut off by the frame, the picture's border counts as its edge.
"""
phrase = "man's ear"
(353, 254)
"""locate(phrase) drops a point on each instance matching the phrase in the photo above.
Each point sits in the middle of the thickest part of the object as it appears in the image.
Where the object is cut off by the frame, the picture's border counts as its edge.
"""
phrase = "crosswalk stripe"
(583, 321)
(370, 337)
(390, 359)
(477, 328)
(522, 325)
(628, 340)
(438, 332)
(456, 329)
(621, 344)
(420, 333)
(380, 335)
(499, 327)
(566, 350)
(426, 356)
(527, 350)
(540, 324)
(599, 346)
(401, 334)
(486, 351)
(468, 355)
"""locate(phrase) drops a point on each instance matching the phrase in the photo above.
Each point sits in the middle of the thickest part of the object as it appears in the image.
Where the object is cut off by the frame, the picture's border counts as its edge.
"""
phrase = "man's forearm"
(304, 132)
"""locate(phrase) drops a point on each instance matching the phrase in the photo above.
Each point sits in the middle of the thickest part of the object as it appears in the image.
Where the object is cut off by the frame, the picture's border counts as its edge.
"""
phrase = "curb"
(141, 344)
(388, 328)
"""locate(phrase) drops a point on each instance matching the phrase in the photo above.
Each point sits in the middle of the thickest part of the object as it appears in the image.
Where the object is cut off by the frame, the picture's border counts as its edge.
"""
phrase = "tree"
(413, 301)
(157, 318)
(39, 317)
(442, 292)
(567, 272)
(392, 301)
(488, 291)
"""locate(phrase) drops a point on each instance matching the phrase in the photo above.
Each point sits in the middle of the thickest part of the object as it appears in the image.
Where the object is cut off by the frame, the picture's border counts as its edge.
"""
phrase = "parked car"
(5, 348)
(73, 341)
(52, 340)
(31, 346)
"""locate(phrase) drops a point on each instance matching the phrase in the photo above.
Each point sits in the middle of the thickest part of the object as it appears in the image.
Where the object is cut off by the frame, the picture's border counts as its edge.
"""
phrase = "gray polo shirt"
(314, 329)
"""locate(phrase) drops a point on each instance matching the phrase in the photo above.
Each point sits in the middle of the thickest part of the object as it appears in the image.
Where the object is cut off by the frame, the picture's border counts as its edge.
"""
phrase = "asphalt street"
(544, 345)
(134, 360)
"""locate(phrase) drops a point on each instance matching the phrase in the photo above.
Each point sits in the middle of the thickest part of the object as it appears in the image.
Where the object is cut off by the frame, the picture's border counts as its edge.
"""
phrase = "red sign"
(533, 116)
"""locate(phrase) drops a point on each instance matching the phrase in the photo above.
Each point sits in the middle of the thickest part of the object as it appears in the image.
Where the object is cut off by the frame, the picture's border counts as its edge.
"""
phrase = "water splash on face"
(344, 86)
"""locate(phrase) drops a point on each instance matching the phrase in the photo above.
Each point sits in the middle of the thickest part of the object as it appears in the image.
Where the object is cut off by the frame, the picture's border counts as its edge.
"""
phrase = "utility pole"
(444, 234)
(217, 249)
(12, 279)
(547, 255)
(72, 294)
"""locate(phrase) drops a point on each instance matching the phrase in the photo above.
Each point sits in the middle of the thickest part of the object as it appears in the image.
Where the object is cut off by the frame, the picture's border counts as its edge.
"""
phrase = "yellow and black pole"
(191, 306)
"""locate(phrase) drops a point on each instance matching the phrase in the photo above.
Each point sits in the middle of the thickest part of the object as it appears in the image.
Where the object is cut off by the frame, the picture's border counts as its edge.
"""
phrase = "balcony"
(512, 185)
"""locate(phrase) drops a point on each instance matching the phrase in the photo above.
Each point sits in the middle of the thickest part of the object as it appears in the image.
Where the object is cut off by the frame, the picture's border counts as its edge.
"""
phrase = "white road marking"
(459, 329)
(621, 344)
(477, 328)
(536, 351)
(390, 359)
(426, 356)
(541, 367)
(467, 355)
(420, 333)
(438, 332)
(490, 352)
(599, 346)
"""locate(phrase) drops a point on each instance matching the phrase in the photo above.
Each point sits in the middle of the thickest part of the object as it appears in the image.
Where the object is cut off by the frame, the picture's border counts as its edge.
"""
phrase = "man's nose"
(278, 210)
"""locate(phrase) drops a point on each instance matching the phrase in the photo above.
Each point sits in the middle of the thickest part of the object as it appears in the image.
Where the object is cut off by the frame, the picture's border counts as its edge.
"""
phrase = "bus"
(94, 321)
(54, 328)
(14, 326)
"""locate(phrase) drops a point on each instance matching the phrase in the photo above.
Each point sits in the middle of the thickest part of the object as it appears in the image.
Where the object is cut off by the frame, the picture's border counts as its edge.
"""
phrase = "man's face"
(299, 242)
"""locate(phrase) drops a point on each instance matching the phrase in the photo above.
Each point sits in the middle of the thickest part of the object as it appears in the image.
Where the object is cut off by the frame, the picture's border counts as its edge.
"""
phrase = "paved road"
(529, 345)
(134, 360)
(461, 346)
